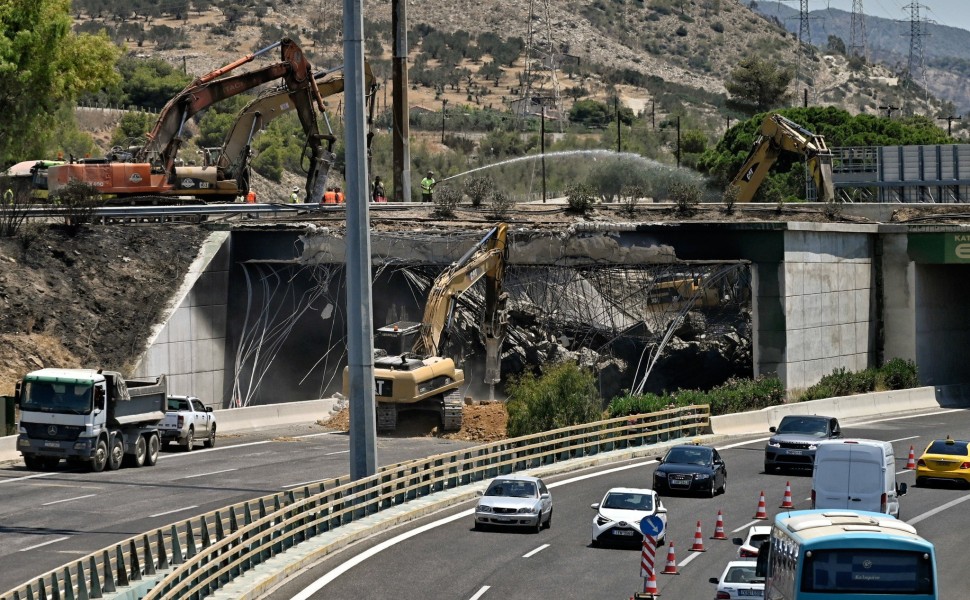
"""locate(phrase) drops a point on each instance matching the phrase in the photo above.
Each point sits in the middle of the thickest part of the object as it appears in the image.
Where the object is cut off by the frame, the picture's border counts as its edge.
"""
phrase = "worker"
(251, 197)
(427, 187)
(330, 196)
(377, 192)
(295, 195)
(340, 196)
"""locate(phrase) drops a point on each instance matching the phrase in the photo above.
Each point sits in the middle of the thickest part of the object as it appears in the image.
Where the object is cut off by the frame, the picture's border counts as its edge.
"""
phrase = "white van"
(856, 474)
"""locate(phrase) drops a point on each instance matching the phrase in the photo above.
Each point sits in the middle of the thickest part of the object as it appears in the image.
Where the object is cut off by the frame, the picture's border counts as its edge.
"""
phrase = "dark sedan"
(691, 468)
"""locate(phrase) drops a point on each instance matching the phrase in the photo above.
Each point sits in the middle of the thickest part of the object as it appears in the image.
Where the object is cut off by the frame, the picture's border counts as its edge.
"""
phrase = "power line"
(916, 63)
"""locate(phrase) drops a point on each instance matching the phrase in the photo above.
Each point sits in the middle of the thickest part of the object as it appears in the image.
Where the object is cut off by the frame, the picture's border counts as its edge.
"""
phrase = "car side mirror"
(480, 493)
(208, 409)
(595, 505)
(660, 459)
(737, 541)
(901, 489)
(545, 495)
(772, 429)
(713, 580)
(661, 510)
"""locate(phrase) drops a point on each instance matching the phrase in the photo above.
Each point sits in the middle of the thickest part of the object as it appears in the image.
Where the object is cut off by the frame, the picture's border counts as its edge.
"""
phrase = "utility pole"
(949, 123)
(857, 43)
(653, 115)
(916, 59)
(444, 104)
(399, 98)
(678, 141)
(889, 110)
(542, 150)
(616, 109)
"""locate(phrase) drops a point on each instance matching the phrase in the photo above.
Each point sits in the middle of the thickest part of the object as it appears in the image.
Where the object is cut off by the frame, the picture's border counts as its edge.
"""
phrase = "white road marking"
(912, 437)
(936, 510)
(536, 551)
(69, 499)
(687, 560)
(206, 474)
(480, 592)
(25, 477)
(746, 525)
(905, 471)
(337, 452)
(169, 512)
(60, 539)
(313, 435)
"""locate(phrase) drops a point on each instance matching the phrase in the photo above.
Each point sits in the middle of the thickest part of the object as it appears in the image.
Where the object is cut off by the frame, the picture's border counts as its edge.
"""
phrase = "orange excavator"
(149, 173)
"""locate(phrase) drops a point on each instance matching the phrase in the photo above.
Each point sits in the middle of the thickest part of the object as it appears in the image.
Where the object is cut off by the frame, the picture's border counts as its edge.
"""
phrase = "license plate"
(623, 532)
(52, 445)
(751, 593)
(502, 519)
(794, 452)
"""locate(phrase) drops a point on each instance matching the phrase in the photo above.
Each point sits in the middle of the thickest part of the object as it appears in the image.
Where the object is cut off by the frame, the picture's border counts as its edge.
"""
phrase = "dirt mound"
(484, 422)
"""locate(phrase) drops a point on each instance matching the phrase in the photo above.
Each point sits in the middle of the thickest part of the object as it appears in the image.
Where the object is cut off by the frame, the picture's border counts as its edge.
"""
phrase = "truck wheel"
(99, 460)
(154, 445)
(33, 462)
(141, 450)
(116, 454)
(210, 441)
(189, 440)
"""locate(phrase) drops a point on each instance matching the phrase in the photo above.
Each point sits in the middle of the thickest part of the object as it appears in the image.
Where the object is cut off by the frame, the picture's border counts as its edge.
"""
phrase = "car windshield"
(57, 397)
(689, 456)
(628, 501)
(742, 575)
(512, 488)
(954, 447)
(806, 426)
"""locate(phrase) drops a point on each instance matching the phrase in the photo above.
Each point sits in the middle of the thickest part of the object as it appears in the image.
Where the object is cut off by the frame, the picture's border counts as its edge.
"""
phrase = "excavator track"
(451, 411)
(386, 416)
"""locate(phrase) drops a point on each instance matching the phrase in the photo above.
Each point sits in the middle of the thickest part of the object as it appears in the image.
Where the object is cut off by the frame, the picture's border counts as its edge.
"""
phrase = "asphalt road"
(442, 557)
(48, 519)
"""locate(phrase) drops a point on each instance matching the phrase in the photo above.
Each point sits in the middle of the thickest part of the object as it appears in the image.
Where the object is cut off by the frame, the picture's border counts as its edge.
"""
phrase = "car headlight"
(484, 508)
(660, 474)
(702, 475)
(813, 446)
(601, 520)
(528, 510)
(774, 443)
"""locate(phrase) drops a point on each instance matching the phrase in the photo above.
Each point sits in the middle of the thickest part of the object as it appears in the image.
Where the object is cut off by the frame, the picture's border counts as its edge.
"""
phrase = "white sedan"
(515, 500)
(749, 546)
(739, 581)
(619, 513)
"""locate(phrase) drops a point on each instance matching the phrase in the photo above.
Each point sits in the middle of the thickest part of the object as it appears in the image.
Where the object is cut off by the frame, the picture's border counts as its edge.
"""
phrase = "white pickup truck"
(186, 420)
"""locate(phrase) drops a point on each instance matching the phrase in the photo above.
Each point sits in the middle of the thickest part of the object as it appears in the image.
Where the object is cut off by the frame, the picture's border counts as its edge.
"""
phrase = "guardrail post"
(160, 548)
(82, 585)
(176, 548)
(109, 581)
(204, 532)
(122, 570)
(95, 580)
(190, 548)
(438, 484)
(452, 481)
(135, 574)
(41, 589)
(68, 584)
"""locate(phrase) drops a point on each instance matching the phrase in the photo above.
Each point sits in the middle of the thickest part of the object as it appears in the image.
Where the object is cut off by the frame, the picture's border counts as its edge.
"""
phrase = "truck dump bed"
(135, 400)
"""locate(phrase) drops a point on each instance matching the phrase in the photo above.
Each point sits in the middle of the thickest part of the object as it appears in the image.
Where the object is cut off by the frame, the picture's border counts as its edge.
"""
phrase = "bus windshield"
(867, 571)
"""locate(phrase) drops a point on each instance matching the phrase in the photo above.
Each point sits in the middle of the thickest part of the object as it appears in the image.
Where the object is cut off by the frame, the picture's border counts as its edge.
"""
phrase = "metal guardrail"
(193, 559)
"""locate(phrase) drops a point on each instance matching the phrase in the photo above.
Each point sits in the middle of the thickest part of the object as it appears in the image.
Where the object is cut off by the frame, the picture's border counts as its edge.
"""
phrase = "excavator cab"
(396, 339)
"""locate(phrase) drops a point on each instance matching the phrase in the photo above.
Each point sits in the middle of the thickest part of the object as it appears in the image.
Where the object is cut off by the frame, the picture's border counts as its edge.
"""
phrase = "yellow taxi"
(944, 460)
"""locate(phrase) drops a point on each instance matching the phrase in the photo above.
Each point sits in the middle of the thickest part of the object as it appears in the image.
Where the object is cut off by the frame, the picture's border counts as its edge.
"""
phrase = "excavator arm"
(166, 136)
(779, 134)
(486, 259)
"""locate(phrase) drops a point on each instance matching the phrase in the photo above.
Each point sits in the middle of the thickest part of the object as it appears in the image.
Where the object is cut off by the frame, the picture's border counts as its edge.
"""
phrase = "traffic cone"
(650, 585)
(719, 528)
(762, 509)
(911, 463)
(786, 501)
(698, 540)
(671, 567)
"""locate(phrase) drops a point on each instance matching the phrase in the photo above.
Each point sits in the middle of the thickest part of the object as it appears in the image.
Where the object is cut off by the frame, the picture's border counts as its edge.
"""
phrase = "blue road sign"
(652, 526)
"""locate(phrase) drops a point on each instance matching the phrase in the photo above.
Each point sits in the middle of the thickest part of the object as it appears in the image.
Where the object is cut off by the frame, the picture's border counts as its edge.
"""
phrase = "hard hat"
(296, 188)
(430, 172)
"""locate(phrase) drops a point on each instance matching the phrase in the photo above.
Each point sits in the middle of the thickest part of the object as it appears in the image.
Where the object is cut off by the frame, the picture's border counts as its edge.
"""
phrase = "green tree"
(563, 395)
(133, 126)
(44, 65)
(590, 113)
(759, 83)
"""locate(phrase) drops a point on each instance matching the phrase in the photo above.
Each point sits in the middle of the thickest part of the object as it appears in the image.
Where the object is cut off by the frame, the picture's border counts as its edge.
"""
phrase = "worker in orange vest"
(330, 196)
(251, 197)
(340, 196)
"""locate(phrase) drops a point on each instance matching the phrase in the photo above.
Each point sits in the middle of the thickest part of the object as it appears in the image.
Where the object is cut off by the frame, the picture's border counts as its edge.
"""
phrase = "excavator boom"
(779, 134)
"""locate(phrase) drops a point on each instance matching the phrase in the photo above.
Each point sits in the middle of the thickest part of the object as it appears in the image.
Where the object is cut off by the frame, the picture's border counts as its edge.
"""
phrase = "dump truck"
(89, 417)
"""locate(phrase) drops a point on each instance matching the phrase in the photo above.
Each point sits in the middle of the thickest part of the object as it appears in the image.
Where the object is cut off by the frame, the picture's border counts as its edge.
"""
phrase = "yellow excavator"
(409, 371)
(779, 134)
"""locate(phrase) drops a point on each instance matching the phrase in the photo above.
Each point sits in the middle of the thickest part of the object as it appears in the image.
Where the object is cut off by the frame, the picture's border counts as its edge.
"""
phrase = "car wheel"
(538, 526)
(549, 520)
(116, 454)
(99, 460)
(768, 468)
(153, 446)
(189, 440)
(478, 526)
(920, 482)
(595, 543)
(724, 486)
(210, 442)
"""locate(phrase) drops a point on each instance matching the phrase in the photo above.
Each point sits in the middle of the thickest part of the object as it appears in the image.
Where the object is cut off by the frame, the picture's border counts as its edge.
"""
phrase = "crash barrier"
(8, 425)
(193, 559)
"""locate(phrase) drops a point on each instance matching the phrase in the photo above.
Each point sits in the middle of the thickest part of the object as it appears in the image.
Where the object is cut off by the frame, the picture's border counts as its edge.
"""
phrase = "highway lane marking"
(245, 445)
(169, 512)
(337, 452)
(69, 499)
(687, 560)
(480, 592)
(912, 437)
(936, 510)
(745, 526)
(205, 474)
(60, 539)
(536, 551)
(34, 476)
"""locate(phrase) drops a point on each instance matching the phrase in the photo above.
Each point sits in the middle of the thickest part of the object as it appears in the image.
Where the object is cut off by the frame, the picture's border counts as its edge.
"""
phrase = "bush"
(78, 200)
(580, 198)
(479, 188)
(563, 395)
(446, 200)
(686, 195)
(500, 204)
(841, 383)
(734, 395)
(898, 374)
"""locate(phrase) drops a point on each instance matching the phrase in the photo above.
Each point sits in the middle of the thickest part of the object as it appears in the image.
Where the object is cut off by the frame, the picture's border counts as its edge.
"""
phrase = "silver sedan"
(515, 501)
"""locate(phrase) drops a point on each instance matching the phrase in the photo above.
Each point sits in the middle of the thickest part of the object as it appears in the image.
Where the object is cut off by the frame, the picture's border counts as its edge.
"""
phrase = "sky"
(955, 13)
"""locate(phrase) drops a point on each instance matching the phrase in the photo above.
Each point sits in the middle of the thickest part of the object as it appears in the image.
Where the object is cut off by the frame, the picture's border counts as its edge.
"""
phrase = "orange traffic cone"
(671, 567)
(650, 585)
(786, 501)
(719, 528)
(762, 509)
(911, 463)
(698, 540)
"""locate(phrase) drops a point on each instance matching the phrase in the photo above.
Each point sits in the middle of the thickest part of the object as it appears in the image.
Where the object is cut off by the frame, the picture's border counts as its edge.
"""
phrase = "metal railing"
(193, 559)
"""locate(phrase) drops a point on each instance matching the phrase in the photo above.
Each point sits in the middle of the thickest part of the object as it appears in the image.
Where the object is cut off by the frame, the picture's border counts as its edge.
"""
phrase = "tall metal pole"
(616, 109)
(360, 322)
(399, 97)
(678, 141)
(542, 149)
(444, 104)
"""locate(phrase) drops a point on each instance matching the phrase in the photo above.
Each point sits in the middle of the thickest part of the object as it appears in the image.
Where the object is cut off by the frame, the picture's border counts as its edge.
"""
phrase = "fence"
(195, 558)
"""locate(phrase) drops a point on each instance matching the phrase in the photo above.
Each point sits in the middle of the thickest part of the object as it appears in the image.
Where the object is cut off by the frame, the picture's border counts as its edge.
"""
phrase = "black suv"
(794, 441)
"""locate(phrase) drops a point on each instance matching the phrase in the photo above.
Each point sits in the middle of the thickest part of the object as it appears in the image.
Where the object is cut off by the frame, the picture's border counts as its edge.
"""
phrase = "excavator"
(409, 371)
(146, 173)
(778, 134)
(230, 162)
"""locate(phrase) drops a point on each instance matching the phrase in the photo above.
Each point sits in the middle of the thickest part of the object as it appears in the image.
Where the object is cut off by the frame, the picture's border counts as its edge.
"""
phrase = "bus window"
(867, 571)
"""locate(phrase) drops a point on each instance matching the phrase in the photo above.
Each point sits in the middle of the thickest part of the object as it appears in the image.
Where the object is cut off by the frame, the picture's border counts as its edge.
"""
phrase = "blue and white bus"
(846, 554)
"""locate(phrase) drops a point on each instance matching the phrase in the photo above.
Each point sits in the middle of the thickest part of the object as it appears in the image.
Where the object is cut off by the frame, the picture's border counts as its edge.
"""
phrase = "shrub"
(446, 200)
(78, 200)
(479, 188)
(500, 204)
(734, 395)
(898, 374)
(686, 195)
(841, 383)
(580, 198)
(563, 395)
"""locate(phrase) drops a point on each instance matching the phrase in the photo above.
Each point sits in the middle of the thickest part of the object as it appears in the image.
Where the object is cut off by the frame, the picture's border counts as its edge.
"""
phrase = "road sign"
(652, 526)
